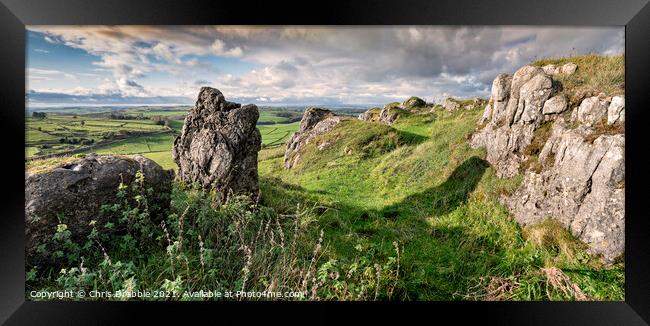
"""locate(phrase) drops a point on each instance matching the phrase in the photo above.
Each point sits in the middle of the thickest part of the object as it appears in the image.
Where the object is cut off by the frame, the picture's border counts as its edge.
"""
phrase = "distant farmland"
(132, 131)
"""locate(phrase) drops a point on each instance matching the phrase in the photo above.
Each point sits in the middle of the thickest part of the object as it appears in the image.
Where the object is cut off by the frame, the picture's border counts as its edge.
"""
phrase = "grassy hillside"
(420, 185)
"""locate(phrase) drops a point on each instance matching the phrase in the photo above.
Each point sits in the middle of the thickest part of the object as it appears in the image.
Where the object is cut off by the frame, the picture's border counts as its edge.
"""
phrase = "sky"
(292, 65)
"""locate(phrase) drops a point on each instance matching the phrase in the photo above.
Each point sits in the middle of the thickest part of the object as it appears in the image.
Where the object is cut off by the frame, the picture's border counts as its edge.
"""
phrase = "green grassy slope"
(420, 184)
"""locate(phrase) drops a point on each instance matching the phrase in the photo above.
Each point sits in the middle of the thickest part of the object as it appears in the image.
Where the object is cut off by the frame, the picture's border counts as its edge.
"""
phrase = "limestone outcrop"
(583, 187)
(73, 194)
(315, 121)
(514, 113)
(577, 175)
(413, 102)
(370, 115)
(390, 113)
(616, 111)
(218, 146)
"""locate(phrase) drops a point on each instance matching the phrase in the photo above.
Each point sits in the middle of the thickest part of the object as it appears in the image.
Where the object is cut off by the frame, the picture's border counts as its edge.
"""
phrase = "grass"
(595, 74)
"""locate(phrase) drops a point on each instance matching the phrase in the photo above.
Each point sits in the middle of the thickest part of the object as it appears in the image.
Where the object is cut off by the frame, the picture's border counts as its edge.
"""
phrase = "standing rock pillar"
(218, 146)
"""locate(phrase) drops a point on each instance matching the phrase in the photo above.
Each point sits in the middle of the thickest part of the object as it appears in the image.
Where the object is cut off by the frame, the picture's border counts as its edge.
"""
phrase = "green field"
(60, 133)
(141, 136)
(155, 147)
(278, 133)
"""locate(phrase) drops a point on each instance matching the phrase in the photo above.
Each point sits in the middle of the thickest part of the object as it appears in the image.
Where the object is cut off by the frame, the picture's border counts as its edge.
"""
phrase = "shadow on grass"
(411, 138)
(438, 262)
(444, 198)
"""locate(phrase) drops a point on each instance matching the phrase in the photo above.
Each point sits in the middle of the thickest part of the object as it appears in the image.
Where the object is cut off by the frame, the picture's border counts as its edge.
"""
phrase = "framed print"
(456, 156)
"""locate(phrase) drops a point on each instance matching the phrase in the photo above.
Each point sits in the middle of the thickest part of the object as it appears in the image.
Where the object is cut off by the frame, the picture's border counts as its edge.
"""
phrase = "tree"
(39, 115)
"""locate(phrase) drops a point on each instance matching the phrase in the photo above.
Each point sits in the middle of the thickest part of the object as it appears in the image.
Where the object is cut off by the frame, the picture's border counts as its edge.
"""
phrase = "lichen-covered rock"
(499, 98)
(315, 121)
(73, 194)
(567, 69)
(521, 77)
(413, 102)
(450, 104)
(515, 113)
(487, 114)
(616, 110)
(556, 104)
(592, 110)
(583, 188)
(218, 146)
(370, 115)
(532, 96)
(390, 113)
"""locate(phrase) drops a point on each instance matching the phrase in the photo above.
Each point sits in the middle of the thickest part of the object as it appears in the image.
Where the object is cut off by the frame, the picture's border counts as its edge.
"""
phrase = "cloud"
(218, 47)
(37, 73)
(326, 64)
(202, 82)
(44, 99)
(130, 87)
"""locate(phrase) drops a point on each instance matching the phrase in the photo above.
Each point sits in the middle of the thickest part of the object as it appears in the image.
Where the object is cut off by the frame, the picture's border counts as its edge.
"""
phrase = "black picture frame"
(633, 14)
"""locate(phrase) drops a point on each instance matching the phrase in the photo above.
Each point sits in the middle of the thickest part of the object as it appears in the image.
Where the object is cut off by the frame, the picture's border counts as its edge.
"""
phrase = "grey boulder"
(554, 105)
(512, 118)
(592, 110)
(315, 121)
(74, 193)
(218, 146)
(450, 105)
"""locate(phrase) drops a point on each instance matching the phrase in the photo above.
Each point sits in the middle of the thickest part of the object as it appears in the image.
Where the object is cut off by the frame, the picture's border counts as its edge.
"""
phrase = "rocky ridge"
(391, 112)
(577, 176)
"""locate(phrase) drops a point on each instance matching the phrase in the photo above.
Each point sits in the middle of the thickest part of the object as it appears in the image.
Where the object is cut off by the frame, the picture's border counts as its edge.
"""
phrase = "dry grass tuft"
(557, 280)
(601, 128)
